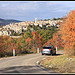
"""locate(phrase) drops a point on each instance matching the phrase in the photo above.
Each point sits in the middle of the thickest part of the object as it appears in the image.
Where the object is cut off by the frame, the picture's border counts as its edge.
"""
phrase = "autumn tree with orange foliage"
(68, 33)
(7, 45)
(40, 41)
(49, 42)
(28, 40)
(29, 44)
(4, 45)
(57, 40)
(37, 40)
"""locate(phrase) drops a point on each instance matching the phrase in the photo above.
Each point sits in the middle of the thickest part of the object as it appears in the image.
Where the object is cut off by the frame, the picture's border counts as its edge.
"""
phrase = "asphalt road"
(26, 64)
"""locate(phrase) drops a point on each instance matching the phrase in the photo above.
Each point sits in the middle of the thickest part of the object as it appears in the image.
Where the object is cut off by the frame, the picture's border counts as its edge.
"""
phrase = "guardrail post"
(38, 50)
(56, 48)
(13, 51)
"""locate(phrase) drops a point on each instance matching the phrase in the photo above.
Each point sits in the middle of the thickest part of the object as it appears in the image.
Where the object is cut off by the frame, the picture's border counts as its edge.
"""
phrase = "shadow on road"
(53, 55)
(22, 69)
(57, 54)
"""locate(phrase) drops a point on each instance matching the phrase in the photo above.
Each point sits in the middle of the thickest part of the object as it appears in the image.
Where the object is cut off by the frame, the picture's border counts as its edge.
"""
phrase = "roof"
(48, 46)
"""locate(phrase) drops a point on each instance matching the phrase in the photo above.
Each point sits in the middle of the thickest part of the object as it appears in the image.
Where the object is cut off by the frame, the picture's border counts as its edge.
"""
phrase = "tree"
(35, 39)
(29, 44)
(68, 33)
(28, 40)
(54, 18)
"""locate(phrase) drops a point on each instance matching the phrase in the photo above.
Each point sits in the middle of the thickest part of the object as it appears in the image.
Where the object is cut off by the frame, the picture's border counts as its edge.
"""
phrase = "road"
(26, 64)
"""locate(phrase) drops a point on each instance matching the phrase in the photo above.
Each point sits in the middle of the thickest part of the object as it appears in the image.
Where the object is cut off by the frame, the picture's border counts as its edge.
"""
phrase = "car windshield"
(46, 47)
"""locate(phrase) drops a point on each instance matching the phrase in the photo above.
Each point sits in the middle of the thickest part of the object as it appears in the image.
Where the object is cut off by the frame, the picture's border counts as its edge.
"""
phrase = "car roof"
(48, 46)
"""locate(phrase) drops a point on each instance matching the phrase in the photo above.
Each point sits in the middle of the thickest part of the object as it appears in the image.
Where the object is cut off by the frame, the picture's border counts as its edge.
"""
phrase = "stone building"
(1, 33)
(35, 20)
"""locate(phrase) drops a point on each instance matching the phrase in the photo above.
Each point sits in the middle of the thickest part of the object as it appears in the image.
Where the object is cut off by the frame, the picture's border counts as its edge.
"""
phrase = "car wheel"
(55, 53)
(42, 54)
(52, 54)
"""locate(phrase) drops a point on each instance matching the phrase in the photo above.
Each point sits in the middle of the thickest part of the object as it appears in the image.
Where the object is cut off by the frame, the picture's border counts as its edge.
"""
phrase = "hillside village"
(19, 27)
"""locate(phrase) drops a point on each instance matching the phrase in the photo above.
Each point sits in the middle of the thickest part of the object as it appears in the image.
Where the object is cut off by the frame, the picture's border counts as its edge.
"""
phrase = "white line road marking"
(42, 67)
(39, 65)
(37, 62)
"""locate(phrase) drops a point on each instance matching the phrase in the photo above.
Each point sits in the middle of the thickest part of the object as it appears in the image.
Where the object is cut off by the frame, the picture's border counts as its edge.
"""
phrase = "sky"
(29, 10)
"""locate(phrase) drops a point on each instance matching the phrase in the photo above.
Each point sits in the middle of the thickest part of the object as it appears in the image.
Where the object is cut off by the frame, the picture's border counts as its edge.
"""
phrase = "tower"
(35, 20)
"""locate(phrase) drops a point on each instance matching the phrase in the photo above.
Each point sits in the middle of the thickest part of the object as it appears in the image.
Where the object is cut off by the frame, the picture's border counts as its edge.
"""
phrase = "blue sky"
(29, 10)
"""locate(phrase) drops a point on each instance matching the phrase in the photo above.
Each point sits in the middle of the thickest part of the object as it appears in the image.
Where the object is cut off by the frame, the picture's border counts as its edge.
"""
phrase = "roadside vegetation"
(60, 64)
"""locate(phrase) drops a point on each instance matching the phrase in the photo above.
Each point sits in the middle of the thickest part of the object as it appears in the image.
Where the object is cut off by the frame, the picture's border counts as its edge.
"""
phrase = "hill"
(7, 21)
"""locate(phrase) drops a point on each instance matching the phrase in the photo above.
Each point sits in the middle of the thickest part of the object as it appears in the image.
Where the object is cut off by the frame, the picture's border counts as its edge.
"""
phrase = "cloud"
(60, 6)
(31, 9)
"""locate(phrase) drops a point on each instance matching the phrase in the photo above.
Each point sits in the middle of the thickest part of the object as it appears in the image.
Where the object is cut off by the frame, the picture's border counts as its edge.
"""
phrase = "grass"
(6, 56)
(61, 49)
(60, 64)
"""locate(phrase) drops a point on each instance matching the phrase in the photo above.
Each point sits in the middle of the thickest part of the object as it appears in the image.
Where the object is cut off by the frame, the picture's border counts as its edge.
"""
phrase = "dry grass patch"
(60, 64)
